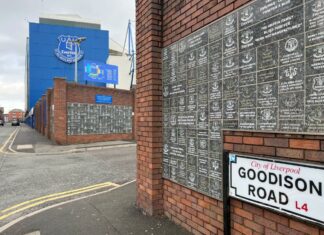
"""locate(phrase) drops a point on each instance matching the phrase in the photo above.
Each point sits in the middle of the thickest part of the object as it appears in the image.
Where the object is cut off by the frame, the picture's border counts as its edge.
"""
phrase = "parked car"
(1, 122)
(15, 123)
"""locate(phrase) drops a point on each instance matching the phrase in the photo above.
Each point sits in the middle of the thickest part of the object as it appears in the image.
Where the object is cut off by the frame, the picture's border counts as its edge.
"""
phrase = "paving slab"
(37, 143)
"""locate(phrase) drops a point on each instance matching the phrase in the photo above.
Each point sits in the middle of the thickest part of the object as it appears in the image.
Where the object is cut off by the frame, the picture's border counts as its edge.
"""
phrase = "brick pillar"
(59, 110)
(37, 116)
(43, 100)
(149, 106)
(48, 114)
(134, 120)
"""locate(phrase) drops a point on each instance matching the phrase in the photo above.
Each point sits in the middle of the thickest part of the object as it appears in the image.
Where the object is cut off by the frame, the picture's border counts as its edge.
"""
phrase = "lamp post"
(77, 43)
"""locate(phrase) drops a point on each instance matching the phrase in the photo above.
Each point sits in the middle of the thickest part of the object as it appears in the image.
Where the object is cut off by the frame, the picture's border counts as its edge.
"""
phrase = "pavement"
(27, 140)
(49, 189)
(109, 213)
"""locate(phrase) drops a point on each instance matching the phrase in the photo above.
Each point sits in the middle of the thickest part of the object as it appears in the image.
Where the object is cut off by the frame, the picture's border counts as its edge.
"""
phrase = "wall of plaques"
(258, 68)
(85, 119)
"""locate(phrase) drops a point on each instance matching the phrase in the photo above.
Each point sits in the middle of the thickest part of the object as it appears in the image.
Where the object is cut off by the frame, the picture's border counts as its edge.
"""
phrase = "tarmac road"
(27, 176)
(5, 132)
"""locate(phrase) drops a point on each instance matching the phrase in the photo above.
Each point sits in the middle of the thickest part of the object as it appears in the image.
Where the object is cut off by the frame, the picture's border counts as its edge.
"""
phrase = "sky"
(14, 17)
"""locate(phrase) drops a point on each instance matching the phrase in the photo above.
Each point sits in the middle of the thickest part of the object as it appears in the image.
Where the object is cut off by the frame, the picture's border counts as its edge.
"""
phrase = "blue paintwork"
(103, 99)
(44, 65)
(100, 72)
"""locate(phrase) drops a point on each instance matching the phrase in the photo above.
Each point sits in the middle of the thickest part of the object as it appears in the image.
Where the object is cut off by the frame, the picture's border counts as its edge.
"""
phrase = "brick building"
(160, 25)
(17, 114)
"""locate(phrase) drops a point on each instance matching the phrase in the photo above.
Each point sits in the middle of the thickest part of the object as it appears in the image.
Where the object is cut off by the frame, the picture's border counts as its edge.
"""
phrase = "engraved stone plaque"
(260, 68)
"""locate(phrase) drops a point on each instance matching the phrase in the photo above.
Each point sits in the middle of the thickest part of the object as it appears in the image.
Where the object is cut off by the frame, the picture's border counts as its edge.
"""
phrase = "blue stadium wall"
(44, 65)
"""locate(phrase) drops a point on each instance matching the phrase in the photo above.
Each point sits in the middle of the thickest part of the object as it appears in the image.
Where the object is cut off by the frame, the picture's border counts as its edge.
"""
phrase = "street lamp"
(77, 43)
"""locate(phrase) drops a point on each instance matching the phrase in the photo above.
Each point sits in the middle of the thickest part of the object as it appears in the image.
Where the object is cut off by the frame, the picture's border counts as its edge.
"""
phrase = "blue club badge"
(66, 49)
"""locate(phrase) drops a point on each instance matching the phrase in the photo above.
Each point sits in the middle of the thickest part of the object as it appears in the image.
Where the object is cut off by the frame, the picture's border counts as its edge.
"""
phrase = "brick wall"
(201, 214)
(249, 219)
(160, 23)
(63, 93)
(149, 106)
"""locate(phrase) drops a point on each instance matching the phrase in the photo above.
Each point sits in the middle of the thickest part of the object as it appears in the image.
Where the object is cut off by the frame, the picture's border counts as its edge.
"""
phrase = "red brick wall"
(149, 106)
(77, 93)
(64, 93)
(182, 17)
(201, 214)
(160, 23)
(48, 113)
(250, 219)
(60, 111)
(194, 211)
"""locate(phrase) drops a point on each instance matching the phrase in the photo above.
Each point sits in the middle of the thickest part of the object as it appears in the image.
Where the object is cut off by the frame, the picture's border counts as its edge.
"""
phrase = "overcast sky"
(15, 15)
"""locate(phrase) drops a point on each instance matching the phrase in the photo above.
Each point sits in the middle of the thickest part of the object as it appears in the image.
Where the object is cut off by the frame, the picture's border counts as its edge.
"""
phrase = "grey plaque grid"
(259, 68)
(85, 119)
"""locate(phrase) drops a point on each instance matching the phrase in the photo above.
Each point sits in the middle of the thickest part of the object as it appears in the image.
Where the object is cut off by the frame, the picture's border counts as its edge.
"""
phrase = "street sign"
(100, 72)
(103, 99)
(289, 187)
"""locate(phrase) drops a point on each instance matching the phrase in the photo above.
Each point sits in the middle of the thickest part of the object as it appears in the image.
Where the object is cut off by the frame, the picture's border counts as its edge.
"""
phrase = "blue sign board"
(103, 99)
(100, 72)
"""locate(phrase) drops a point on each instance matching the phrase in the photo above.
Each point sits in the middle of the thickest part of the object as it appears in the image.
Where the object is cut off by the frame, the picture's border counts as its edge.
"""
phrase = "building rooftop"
(15, 110)
(69, 20)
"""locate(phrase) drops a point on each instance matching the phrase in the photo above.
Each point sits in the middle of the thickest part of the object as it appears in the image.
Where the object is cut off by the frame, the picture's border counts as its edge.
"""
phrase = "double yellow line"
(51, 197)
(7, 141)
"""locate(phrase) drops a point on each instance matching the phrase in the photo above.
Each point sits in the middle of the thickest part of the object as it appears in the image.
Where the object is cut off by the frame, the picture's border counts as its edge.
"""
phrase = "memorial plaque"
(291, 78)
(314, 119)
(247, 97)
(215, 109)
(260, 68)
(215, 31)
(291, 105)
(215, 90)
(215, 129)
(247, 62)
(315, 60)
(314, 15)
(215, 70)
(247, 79)
(291, 50)
(230, 45)
(267, 94)
(268, 56)
(215, 50)
(230, 109)
(315, 37)
(192, 162)
(84, 119)
(203, 183)
(230, 87)
(267, 119)
(247, 119)
(191, 179)
(203, 166)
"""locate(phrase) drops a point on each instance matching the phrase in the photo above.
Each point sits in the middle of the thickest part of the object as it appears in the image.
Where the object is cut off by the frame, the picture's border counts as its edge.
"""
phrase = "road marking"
(10, 224)
(51, 197)
(57, 194)
(7, 141)
(24, 146)
(13, 140)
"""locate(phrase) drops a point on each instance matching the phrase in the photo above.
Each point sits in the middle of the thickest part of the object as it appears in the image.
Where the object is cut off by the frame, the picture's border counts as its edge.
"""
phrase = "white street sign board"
(289, 187)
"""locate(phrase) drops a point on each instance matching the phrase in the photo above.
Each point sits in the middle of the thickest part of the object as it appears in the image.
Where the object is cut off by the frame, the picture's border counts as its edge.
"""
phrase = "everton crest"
(67, 47)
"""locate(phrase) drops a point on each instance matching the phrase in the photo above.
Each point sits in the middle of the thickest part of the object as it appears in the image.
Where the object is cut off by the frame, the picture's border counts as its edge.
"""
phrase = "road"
(27, 176)
(5, 132)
